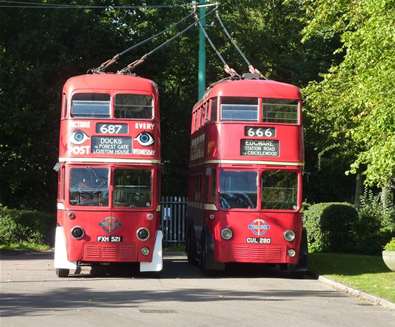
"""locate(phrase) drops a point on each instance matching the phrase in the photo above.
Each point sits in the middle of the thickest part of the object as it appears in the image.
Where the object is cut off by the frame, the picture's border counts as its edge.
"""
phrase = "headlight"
(289, 235)
(226, 233)
(142, 234)
(145, 139)
(77, 232)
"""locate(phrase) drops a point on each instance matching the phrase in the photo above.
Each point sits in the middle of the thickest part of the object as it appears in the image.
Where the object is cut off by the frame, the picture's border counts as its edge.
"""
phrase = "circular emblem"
(109, 224)
(259, 227)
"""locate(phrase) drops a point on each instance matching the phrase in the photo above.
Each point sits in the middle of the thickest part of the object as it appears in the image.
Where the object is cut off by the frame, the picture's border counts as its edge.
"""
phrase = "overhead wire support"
(227, 68)
(251, 68)
(129, 68)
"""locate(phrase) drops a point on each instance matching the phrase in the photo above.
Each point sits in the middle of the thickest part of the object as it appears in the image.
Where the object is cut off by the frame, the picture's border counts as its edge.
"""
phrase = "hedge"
(26, 226)
(331, 227)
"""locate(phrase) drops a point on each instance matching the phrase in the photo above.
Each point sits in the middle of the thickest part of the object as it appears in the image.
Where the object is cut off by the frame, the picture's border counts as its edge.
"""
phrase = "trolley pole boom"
(202, 51)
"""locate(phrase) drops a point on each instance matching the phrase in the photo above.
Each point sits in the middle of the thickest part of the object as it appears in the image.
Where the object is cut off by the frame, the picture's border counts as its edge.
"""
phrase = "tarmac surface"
(32, 295)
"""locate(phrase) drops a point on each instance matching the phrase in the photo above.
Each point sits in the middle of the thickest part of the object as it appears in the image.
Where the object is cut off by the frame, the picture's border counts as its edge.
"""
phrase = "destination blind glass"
(263, 148)
(111, 145)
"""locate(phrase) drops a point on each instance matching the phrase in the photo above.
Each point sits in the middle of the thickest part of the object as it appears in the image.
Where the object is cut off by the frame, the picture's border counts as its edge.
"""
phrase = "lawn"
(362, 272)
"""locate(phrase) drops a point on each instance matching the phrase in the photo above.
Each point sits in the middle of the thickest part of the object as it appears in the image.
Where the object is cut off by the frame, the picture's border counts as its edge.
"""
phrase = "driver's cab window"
(88, 187)
(132, 188)
(238, 189)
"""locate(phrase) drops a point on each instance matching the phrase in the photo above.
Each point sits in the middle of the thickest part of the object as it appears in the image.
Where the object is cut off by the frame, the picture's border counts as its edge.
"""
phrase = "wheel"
(190, 248)
(62, 273)
(303, 258)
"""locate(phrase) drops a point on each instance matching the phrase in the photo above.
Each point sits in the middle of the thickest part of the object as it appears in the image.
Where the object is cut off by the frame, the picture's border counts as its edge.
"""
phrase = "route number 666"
(259, 131)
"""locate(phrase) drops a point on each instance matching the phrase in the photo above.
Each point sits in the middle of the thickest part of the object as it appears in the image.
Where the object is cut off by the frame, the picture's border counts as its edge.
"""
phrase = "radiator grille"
(109, 252)
(248, 253)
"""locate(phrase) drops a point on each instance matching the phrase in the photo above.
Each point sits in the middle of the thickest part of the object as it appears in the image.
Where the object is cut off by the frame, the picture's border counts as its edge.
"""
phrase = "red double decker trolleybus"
(108, 186)
(245, 182)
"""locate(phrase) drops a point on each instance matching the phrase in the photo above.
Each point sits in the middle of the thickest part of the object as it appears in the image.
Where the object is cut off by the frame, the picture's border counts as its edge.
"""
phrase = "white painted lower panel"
(157, 258)
(61, 261)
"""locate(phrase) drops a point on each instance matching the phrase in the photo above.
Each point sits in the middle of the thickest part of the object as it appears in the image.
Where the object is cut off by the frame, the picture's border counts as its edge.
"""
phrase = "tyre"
(62, 273)
(190, 248)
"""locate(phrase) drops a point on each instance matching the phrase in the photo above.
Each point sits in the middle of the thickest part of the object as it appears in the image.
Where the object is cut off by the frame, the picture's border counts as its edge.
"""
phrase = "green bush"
(330, 227)
(18, 226)
(390, 246)
(375, 225)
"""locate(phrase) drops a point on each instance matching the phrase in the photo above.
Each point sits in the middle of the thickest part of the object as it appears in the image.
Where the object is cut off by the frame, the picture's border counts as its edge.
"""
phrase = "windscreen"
(132, 188)
(90, 105)
(133, 106)
(238, 189)
(279, 189)
(89, 186)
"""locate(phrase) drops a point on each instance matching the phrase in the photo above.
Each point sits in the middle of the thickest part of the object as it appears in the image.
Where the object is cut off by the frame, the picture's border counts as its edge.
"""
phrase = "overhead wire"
(129, 68)
(251, 68)
(227, 68)
(115, 58)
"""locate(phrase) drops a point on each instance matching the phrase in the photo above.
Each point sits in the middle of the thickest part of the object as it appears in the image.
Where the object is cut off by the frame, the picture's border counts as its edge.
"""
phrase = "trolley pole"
(202, 52)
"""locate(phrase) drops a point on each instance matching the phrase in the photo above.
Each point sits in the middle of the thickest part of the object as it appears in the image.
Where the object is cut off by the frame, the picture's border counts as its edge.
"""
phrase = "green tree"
(354, 102)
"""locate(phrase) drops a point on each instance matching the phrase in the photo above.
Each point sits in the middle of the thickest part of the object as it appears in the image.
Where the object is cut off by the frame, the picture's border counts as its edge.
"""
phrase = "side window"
(280, 111)
(61, 183)
(213, 102)
(213, 186)
(133, 106)
(90, 105)
(279, 189)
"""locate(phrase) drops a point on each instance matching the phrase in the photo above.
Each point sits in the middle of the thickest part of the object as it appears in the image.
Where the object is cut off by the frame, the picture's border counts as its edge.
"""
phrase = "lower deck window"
(89, 186)
(132, 188)
(238, 189)
(279, 189)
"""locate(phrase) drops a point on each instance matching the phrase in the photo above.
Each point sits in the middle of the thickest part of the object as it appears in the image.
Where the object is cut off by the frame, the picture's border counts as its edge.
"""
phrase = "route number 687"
(259, 131)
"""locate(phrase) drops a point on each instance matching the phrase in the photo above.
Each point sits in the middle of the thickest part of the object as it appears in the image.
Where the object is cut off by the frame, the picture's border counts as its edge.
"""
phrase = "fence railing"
(173, 213)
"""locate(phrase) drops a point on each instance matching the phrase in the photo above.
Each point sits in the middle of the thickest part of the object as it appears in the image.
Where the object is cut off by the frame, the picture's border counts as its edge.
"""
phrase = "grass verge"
(25, 246)
(362, 272)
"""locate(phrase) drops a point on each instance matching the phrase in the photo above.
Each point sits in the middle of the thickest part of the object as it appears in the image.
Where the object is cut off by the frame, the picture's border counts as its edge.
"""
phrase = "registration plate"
(109, 239)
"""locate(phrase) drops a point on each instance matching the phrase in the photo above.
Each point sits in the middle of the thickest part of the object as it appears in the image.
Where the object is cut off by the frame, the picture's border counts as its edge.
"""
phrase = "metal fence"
(173, 213)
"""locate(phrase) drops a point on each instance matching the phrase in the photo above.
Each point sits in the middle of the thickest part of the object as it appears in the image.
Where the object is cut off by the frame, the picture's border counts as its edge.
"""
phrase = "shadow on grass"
(346, 264)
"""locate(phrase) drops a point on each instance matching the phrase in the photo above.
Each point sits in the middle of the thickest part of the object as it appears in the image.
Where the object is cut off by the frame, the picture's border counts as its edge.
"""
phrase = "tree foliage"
(354, 103)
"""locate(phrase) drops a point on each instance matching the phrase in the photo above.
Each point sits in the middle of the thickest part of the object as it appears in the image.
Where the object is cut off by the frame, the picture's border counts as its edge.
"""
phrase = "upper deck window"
(239, 109)
(280, 111)
(96, 105)
(238, 189)
(133, 106)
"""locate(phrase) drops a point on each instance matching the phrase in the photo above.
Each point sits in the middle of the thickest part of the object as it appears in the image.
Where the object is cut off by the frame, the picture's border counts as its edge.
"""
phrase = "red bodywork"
(94, 220)
(215, 145)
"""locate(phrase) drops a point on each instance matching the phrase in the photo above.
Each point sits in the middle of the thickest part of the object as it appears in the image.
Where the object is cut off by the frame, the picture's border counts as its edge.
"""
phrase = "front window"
(238, 189)
(133, 106)
(132, 188)
(279, 189)
(280, 111)
(89, 186)
(90, 105)
(239, 109)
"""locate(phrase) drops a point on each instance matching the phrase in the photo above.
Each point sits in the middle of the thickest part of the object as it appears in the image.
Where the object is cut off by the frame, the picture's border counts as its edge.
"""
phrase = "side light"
(144, 251)
(291, 253)
(71, 215)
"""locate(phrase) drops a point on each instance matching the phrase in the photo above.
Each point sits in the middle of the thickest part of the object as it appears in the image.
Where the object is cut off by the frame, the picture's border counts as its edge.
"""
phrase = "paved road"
(31, 295)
